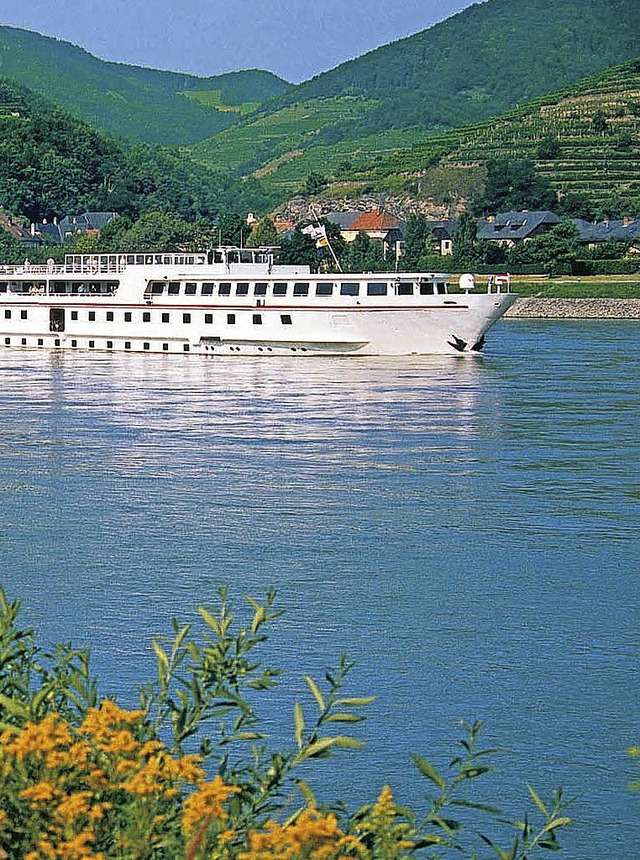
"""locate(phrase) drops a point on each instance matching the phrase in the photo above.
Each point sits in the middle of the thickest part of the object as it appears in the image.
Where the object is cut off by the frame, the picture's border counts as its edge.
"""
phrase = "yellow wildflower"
(206, 803)
(73, 806)
(40, 792)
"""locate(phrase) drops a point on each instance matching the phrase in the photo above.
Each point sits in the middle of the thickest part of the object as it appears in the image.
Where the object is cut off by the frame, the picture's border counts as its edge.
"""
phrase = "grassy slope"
(142, 104)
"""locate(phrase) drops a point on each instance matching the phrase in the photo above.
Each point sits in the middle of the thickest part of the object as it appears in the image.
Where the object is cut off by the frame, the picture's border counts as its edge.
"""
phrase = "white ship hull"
(196, 304)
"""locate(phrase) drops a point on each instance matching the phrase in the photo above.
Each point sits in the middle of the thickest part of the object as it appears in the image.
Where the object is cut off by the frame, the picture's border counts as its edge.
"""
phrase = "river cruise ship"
(238, 301)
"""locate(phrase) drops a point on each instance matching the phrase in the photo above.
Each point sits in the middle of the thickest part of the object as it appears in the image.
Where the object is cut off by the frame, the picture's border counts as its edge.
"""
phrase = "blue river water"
(466, 529)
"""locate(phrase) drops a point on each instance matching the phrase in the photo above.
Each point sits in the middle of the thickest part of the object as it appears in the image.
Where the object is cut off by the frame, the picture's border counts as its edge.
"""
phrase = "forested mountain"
(138, 103)
(52, 164)
(479, 63)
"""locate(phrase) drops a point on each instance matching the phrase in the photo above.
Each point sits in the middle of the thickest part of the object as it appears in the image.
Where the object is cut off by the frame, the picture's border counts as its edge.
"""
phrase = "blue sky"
(293, 38)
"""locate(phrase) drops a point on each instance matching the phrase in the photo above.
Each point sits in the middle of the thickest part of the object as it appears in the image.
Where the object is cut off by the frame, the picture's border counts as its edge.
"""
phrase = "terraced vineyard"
(586, 140)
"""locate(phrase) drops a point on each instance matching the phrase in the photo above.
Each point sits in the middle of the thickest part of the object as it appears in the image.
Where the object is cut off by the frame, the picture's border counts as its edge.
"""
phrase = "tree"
(416, 235)
(513, 184)
(466, 248)
(556, 250)
(315, 183)
(264, 233)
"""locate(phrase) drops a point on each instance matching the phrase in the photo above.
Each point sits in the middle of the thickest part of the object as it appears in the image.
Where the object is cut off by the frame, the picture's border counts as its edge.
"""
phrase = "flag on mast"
(319, 234)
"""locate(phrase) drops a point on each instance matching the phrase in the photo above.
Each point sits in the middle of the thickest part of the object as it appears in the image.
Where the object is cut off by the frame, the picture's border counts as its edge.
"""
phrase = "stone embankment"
(535, 307)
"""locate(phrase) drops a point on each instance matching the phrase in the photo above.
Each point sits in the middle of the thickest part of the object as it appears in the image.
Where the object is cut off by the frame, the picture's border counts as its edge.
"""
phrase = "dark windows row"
(7, 314)
(285, 319)
(298, 288)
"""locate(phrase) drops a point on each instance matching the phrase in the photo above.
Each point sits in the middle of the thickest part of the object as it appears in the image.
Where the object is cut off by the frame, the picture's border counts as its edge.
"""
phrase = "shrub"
(83, 779)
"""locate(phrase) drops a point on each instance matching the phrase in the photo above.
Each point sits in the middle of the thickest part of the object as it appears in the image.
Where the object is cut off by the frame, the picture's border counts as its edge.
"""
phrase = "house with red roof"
(379, 226)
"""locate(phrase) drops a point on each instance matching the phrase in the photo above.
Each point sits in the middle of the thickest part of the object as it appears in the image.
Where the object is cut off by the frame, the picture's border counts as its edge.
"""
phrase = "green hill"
(52, 164)
(134, 102)
(585, 140)
(477, 64)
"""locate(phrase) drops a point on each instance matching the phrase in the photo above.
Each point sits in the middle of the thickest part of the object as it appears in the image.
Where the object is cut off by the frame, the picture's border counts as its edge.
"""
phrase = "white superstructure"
(232, 301)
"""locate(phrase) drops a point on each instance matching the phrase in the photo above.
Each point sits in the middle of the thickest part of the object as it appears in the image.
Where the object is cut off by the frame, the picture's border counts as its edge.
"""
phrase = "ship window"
(109, 316)
(279, 289)
(260, 289)
(23, 341)
(7, 341)
(426, 289)
(7, 315)
(74, 343)
(40, 341)
(165, 347)
(165, 318)
(23, 315)
(146, 316)
(208, 318)
(285, 319)
(173, 289)
(257, 319)
(207, 290)
(74, 315)
(189, 289)
(231, 319)
(157, 288)
(376, 289)
(92, 343)
(92, 316)
(109, 344)
(441, 289)
(405, 289)
(324, 289)
(127, 344)
(246, 256)
(242, 289)
(349, 289)
(127, 316)
(186, 347)
(300, 289)
(3, 286)
(224, 289)
(146, 345)
(186, 318)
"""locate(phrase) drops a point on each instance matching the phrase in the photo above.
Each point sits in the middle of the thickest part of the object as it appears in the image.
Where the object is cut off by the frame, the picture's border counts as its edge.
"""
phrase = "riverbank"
(540, 307)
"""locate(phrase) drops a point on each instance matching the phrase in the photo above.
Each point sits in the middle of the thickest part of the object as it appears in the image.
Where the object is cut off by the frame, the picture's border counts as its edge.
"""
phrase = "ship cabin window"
(157, 288)
(426, 288)
(165, 318)
(231, 319)
(173, 289)
(23, 315)
(300, 289)
(257, 319)
(260, 289)
(146, 316)
(127, 316)
(324, 289)
(404, 288)
(127, 344)
(206, 290)
(189, 289)
(224, 289)
(3, 286)
(246, 256)
(109, 344)
(285, 319)
(186, 318)
(233, 257)
(280, 289)
(74, 315)
(242, 289)
(7, 315)
(208, 319)
(377, 289)
(109, 316)
(350, 289)
(217, 257)
(441, 288)
(92, 316)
